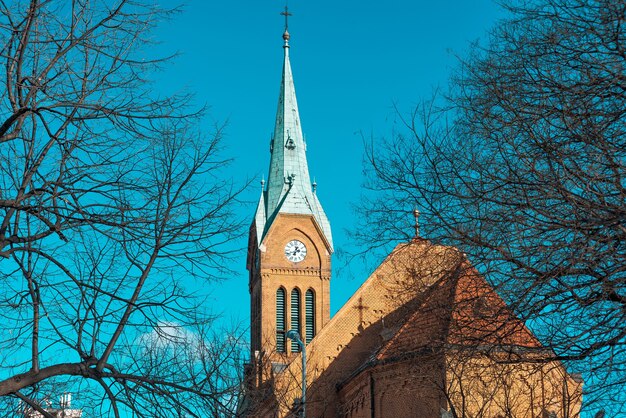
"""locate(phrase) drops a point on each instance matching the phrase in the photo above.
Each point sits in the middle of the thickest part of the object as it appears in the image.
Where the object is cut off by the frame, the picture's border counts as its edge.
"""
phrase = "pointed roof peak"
(288, 187)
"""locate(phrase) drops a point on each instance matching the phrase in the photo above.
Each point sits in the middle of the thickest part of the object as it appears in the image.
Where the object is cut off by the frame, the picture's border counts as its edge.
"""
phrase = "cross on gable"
(360, 307)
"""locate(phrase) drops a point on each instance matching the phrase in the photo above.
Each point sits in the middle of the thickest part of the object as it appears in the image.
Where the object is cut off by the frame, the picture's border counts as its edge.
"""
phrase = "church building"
(424, 336)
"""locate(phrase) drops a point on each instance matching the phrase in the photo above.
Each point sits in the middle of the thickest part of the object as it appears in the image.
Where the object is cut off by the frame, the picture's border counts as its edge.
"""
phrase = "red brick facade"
(425, 335)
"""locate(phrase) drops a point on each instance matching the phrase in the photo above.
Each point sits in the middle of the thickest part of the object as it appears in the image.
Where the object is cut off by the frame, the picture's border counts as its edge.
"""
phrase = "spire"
(289, 188)
(288, 164)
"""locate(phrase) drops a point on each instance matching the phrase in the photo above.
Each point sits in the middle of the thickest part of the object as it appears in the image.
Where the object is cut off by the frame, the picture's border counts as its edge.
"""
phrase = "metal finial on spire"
(286, 33)
(416, 213)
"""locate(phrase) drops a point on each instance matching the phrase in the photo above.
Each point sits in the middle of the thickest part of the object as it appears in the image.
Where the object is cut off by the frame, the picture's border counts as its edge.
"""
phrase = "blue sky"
(352, 61)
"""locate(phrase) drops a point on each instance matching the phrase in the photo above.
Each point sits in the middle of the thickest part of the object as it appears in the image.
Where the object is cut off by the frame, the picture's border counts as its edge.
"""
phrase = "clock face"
(295, 251)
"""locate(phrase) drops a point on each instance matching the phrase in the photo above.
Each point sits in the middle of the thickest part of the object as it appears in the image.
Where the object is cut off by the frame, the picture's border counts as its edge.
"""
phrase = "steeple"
(289, 189)
(290, 244)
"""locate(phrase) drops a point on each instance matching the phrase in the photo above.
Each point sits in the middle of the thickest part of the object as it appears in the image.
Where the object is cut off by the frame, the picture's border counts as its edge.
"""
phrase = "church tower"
(290, 242)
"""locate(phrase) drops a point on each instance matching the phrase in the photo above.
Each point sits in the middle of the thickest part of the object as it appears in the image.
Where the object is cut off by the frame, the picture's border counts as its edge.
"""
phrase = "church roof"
(463, 311)
(289, 189)
(423, 297)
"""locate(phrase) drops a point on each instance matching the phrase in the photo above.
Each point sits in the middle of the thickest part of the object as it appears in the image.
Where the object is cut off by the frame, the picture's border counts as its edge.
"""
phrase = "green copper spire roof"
(289, 188)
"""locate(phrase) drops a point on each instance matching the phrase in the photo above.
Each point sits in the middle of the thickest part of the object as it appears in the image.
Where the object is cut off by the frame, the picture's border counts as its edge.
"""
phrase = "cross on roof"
(286, 14)
(361, 308)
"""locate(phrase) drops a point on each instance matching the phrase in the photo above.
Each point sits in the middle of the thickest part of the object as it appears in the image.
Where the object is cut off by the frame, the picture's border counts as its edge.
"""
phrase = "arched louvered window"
(309, 315)
(280, 320)
(295, 317)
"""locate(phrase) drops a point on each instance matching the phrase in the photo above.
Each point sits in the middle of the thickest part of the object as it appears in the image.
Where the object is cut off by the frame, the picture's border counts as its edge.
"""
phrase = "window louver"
(280, 320)
(295, 317)
(310, 315)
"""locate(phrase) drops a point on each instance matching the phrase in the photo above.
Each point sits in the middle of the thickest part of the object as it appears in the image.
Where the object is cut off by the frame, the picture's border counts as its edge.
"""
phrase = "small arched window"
(309, 302)
(295, 317)
(280, 320)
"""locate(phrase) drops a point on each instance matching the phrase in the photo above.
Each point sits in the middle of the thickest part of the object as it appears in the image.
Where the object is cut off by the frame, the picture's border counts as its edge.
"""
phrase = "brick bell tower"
(289, 245)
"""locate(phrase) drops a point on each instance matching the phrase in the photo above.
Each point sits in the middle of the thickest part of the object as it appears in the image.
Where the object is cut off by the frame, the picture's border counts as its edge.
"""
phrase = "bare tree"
(112, 205)
(522, 166)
